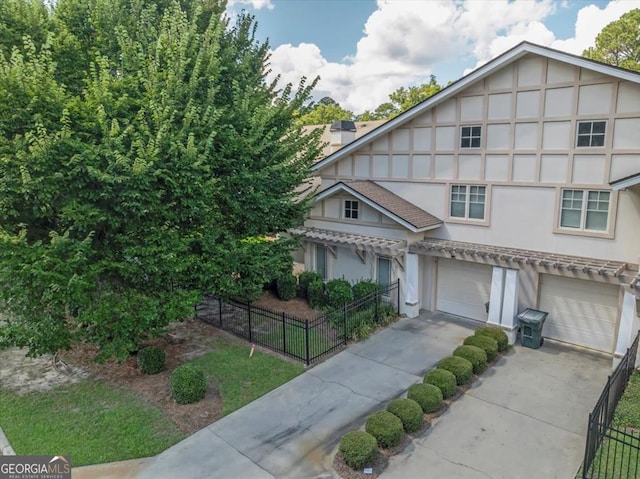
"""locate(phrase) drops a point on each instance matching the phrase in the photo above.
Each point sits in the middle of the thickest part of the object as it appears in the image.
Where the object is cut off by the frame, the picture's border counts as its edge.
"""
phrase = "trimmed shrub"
(496, 333)
(428, 396)
(151, 360)
(475, 355)
(444, 380)
(187, 384)
(487, 343)
(339, 292)
(358, 449)
(286, 286)
(364, 288)
(408, 411)
(461, 368)
(385, 427)
(315, 293)
(305, 279)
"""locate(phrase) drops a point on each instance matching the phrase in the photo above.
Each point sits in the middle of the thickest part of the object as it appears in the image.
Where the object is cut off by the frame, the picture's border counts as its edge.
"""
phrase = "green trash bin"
(531, 322)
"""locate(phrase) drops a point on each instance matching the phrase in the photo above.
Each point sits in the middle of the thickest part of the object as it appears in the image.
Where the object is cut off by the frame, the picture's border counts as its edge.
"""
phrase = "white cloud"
(256, 4)
(404, 39)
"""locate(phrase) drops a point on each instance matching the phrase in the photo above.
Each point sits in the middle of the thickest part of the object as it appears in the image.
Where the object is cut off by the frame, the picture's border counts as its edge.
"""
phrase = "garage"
(463, 288)
(580, 312)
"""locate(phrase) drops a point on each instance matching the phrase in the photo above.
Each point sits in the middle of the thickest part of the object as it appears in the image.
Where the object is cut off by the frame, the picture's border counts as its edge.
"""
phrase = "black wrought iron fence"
(305, 340)
(612, 452)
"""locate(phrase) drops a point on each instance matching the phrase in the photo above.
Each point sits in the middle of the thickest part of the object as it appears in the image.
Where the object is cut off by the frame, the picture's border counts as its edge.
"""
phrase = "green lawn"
(95, 422)
(296, 341)
(241, 379)
(91, 421)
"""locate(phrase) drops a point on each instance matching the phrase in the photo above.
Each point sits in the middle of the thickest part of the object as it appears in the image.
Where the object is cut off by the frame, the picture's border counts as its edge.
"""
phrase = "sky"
(362, 50)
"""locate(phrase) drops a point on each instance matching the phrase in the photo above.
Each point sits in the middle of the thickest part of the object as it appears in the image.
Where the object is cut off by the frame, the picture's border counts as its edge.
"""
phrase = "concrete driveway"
(525, 418)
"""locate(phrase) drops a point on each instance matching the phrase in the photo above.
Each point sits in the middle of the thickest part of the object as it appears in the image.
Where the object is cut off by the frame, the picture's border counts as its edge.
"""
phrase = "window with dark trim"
(321, 261)
(351, 209)
(591, 133)
(383, 271)
(470, 136)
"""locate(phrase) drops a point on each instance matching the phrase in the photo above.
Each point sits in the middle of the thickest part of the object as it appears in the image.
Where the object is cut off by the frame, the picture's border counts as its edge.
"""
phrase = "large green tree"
(325, 112)
(145, 161)
(619, 42)
(401, 100)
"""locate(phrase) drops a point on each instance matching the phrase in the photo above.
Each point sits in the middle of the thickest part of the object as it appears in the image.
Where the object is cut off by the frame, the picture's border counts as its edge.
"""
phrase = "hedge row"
(385, 428)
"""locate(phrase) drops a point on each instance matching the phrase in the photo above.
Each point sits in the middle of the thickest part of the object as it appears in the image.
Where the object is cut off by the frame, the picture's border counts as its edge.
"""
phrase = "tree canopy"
(325, 112)
(145, 161)
(401, 100)
(619, 42)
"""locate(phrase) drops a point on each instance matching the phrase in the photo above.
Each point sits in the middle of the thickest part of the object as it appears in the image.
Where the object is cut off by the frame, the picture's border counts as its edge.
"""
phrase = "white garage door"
(580, 312)
(463, 288)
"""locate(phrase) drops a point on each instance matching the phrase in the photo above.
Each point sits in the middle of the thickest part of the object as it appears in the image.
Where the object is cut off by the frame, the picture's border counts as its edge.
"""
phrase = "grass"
(95, 422)
(296, 341)
(239, 378)
(92, 421)
(619, 455)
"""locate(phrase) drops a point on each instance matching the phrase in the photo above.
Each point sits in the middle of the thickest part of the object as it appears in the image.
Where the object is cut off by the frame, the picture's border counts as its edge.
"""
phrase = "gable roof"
(625, 182)
(386, 202)
(508, 57)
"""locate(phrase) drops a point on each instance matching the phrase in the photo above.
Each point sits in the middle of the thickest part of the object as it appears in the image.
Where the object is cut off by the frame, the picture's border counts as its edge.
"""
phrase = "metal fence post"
(284, 333)
(249, 309)
(344, 317)
(377, 309)
(220, 311)
(398, 295)
(306, 341)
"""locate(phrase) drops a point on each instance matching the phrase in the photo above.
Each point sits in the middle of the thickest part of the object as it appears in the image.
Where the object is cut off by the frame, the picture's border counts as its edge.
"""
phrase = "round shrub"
(461, 368)
(339, 292)
(444, 380)
(475, 355)
(358, 449)
(286, 286)
(428, 396)
(315, 293)
(151, 360)
(496, 333)
(364, 288)
(385, 427)
(187, 384)
(487, 343)
(305, 279)
(408, 411)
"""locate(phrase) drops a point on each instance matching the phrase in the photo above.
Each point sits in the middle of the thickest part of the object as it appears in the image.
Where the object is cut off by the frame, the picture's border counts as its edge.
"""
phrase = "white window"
(591, 133)
(351, 209)
(384, 271)
(321, 261)
(585, 209)
(470, 136)
(468, 201)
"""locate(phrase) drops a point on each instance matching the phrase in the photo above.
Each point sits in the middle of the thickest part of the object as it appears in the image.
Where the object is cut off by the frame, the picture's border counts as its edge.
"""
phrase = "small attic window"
(351, 209)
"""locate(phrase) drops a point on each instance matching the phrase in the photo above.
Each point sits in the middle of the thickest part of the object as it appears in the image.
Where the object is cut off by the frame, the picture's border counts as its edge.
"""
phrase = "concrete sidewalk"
(524, 418)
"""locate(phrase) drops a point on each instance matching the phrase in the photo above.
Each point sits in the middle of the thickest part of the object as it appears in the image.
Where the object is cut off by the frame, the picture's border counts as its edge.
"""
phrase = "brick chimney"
(342, 132)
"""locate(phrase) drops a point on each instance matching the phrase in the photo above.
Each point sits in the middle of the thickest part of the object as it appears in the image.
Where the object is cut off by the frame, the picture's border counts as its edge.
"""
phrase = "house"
(517, 186)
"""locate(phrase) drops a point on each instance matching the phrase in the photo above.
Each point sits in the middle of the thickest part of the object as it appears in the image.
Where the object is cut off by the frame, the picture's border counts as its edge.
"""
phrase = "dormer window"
(351, 209)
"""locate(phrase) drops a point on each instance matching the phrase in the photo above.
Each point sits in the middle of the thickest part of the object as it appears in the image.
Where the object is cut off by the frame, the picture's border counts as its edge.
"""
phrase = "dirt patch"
(378, 465)
(297, 307)
(184, 341)
(24, 375)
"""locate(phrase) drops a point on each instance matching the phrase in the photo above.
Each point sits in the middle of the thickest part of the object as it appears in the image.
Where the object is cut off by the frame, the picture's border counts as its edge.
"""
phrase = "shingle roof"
(393, 203)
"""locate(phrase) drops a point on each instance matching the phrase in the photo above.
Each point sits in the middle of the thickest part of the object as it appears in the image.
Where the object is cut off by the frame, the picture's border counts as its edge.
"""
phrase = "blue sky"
(365, 49)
